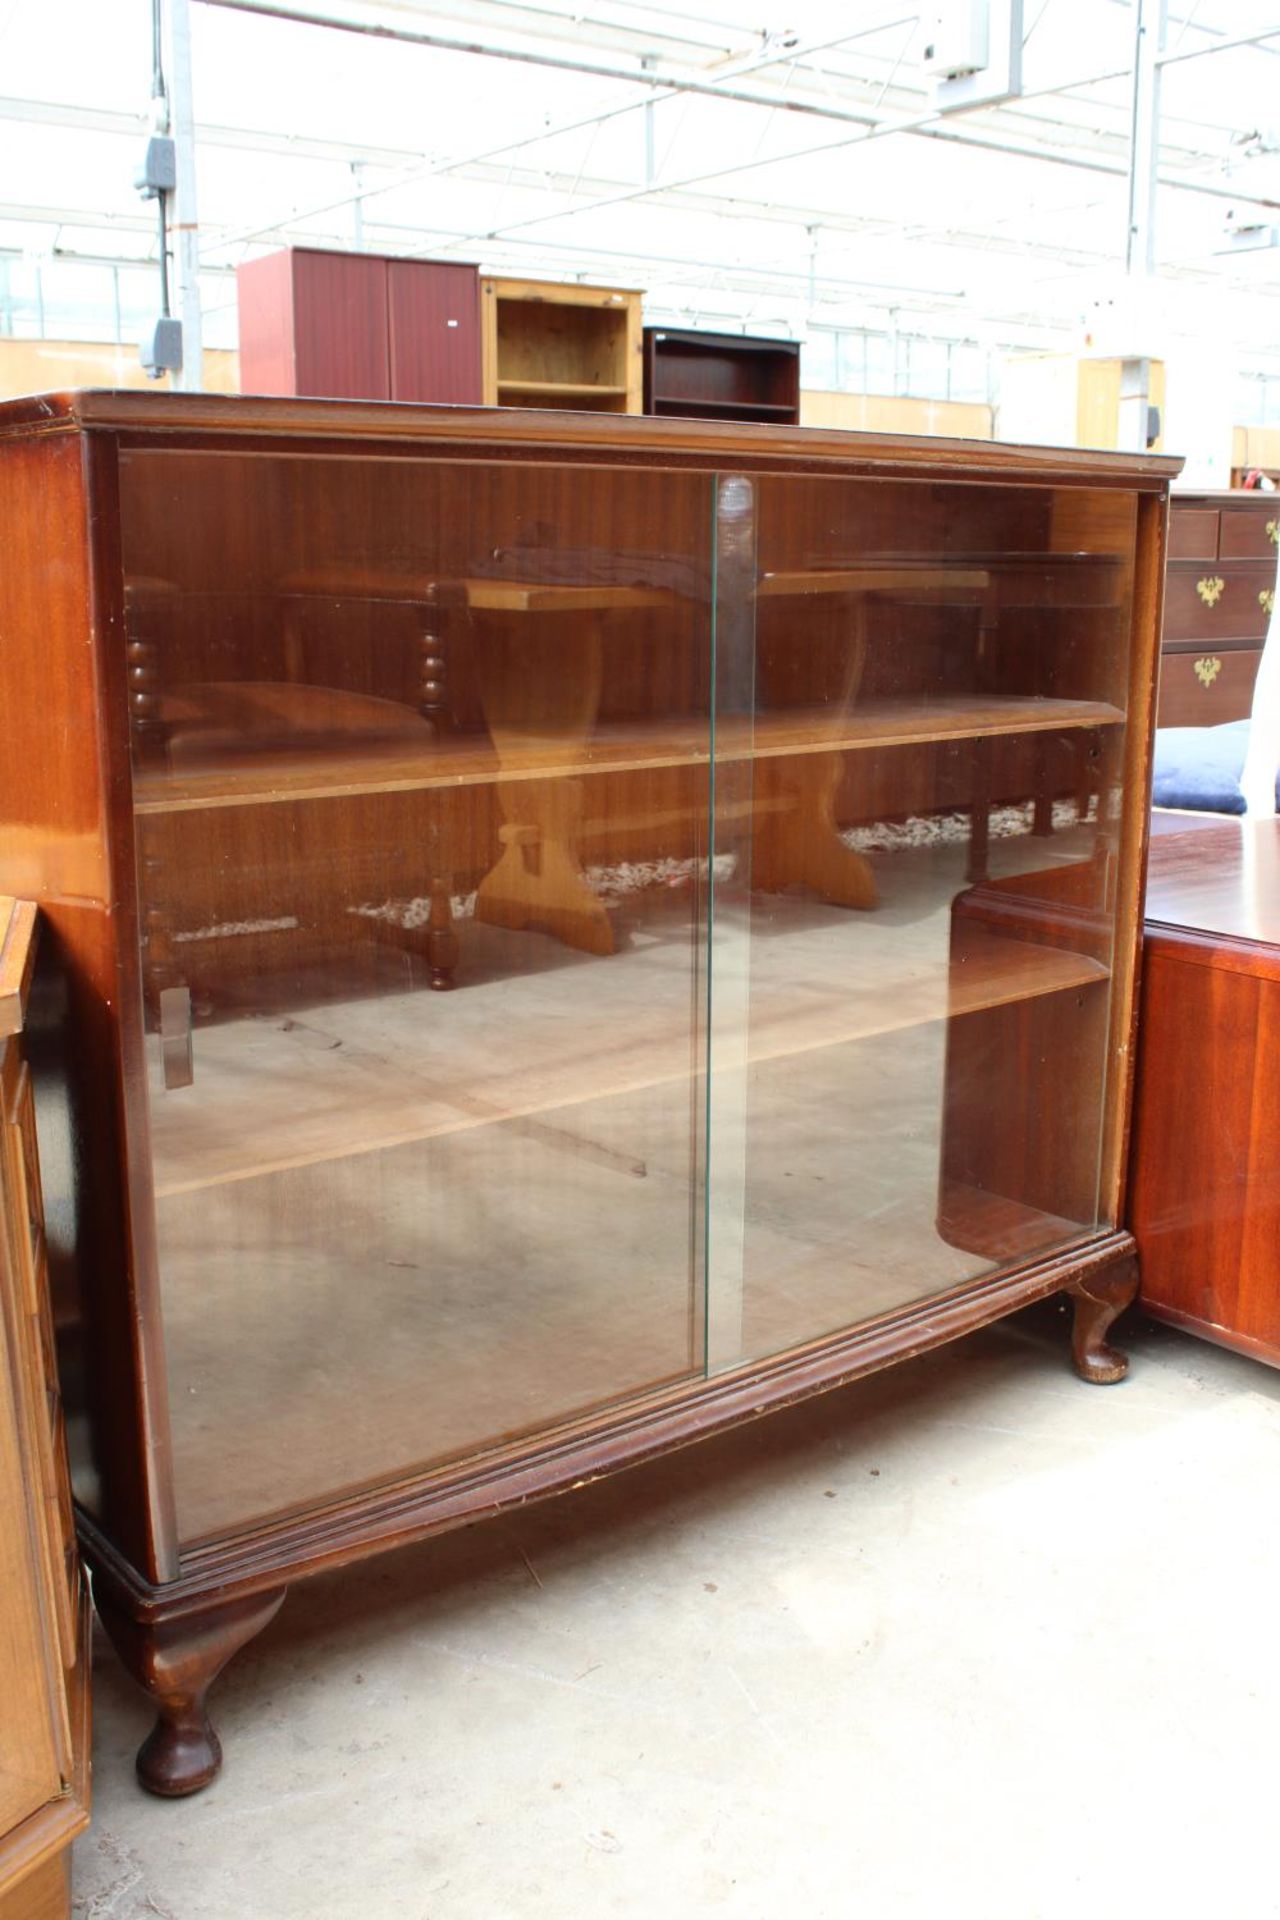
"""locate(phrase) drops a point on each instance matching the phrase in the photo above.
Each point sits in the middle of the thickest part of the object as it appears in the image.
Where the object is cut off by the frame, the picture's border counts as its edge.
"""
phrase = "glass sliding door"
(918, 753)
(421, 786)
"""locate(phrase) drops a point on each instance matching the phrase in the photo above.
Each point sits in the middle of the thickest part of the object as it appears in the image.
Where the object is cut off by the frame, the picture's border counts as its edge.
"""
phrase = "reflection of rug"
(946, 829)
(630, 877)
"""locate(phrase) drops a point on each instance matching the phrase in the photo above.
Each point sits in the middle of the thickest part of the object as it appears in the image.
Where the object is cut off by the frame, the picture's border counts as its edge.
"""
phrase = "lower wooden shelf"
(470, 1318)
(352, 1077)
(1000, 1229)
(562, 389)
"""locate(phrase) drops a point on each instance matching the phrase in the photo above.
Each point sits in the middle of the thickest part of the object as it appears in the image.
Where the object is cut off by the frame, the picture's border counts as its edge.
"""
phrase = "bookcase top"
(574, 434)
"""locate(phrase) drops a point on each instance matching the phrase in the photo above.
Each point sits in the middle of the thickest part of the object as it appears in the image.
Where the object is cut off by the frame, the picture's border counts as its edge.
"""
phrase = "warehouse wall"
(882, 413)
(50, 366)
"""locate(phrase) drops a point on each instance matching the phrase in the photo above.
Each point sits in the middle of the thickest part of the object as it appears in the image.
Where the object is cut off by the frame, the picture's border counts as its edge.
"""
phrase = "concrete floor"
(970, 1638)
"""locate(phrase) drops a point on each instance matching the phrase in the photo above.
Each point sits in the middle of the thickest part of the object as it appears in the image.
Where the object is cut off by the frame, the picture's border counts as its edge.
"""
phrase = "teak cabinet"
(1218, 601)
(44, 1639)
(721, 376)
(359, 326)
(1203, 1195)
(579, 930)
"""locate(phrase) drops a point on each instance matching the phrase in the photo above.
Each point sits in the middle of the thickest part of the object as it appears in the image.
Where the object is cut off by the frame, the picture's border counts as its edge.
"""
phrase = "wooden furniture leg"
(980, 812)
(167, 997)
(441, 604)
(796, 836)
(541, 694)
(177, 1661)
(1099, 1299)
(538, 882)
(442, 941)
(796, 839)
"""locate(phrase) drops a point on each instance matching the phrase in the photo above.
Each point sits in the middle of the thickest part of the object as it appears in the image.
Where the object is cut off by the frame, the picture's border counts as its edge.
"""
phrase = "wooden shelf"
(567, 389)
(1004, 580)
(709, 409)
(364, 1076)
(997, 1228)
(1031, 580)
(620, 748)
(483, 594)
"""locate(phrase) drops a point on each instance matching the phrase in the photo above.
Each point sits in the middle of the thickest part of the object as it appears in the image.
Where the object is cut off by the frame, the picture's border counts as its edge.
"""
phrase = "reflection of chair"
(275, 753)
(239, 859)
(234, 723)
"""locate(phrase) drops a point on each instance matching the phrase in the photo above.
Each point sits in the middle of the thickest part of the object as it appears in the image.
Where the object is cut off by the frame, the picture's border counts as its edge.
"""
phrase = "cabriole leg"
(177, 1661)
(1099, 1298)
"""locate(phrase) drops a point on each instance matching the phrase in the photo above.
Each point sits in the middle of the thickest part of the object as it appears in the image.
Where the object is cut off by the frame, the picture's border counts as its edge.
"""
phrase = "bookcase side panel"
(60, 613)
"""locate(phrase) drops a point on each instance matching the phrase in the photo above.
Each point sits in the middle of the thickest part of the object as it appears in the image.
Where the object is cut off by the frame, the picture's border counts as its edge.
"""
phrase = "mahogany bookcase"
(577, 930)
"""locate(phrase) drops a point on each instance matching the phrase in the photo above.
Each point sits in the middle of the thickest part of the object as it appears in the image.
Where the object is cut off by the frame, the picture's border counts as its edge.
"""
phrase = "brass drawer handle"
(1267, 601)
(1273, 532)
(1207, 671)
(1210, 589)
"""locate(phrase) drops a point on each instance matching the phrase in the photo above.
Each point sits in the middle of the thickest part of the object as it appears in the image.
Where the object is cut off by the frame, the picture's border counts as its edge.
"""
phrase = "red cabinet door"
(340, 326)
(434, 310)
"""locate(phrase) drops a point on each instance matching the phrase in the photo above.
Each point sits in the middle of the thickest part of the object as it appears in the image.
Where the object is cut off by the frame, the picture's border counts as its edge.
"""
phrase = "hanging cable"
(160, 121)
(162, 204)
(161, 350)
(159, 90)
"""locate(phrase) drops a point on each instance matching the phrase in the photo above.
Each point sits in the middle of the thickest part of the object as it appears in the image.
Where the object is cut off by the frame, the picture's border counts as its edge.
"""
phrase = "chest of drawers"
(1218, 599)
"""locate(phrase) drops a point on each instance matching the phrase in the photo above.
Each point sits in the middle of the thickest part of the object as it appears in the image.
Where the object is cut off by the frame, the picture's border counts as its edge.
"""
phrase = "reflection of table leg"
(796, 839)
(538, 883)
(980, 810)
(1042, 815)
(541, 694)
(442, 941)
(796, 836)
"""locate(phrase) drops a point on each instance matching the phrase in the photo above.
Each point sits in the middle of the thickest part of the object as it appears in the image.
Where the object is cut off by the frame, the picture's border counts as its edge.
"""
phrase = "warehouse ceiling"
(788, 172)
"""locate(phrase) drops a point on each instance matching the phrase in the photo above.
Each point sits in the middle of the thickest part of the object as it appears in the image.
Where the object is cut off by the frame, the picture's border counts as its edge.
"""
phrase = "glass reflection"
(420, 769)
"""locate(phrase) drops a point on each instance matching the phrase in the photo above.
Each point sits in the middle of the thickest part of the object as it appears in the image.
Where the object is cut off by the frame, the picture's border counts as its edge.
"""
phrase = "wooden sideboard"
(1205, 1197)
(580, 930)
(44, 1620)
(1218, 599)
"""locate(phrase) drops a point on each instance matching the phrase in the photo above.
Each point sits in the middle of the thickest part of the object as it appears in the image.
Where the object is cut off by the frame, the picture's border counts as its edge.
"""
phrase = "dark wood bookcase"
(578, 930)
(721, 376)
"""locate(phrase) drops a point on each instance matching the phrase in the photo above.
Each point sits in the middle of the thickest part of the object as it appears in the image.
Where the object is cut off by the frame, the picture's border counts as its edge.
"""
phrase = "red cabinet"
(358, 326)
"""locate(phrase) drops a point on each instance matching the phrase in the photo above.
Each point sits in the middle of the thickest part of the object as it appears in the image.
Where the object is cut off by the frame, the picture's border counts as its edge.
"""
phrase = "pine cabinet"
(580, 930)
(549, 343)
(44, 1640)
